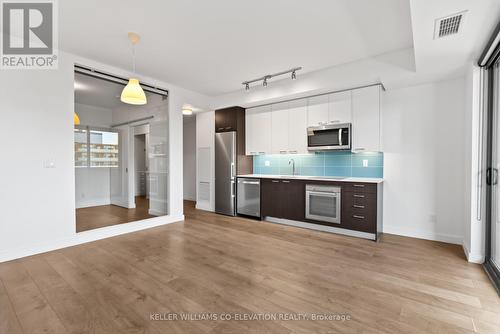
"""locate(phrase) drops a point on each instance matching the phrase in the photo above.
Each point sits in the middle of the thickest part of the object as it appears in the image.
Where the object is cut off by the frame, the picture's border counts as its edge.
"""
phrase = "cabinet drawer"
(364, 220)
(359, 200)
(357, 187)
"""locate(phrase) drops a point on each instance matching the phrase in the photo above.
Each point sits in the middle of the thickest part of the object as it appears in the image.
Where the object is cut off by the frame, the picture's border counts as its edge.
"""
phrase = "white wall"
(422, 135)
(92, 185)
(94, 116)
(475, 184)
(38, 204)
(189, 161)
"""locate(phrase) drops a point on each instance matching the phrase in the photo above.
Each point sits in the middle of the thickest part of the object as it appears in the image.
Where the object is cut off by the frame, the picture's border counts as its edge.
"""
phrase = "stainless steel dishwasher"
(248, 197)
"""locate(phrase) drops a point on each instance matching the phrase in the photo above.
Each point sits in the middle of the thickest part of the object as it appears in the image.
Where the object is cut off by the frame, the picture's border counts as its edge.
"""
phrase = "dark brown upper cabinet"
(227, 119)
(233, 119)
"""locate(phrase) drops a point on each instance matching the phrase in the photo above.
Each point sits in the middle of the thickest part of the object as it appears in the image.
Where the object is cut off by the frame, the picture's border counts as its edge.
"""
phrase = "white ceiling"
(212, 46)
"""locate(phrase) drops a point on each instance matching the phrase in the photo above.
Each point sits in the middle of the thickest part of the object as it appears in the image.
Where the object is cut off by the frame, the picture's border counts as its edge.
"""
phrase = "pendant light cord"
(133, 58)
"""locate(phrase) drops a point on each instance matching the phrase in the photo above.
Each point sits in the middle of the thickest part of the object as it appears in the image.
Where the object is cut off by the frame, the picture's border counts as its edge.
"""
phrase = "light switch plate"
(365, 163)
(49, 163)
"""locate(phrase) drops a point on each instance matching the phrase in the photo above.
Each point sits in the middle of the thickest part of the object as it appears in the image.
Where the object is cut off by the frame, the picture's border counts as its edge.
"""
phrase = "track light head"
(294, 75)
(247, 86)
(264, 83)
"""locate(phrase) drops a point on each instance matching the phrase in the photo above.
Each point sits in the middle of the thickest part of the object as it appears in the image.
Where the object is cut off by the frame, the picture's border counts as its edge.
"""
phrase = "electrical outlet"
(267, 163)
(365, 163)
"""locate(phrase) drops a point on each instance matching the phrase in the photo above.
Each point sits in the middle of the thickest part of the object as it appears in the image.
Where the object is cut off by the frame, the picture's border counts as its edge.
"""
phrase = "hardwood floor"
(224, 265)
(108, 215)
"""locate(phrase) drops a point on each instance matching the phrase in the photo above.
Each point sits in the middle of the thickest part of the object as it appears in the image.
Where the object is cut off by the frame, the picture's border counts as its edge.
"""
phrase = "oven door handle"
(324, 194)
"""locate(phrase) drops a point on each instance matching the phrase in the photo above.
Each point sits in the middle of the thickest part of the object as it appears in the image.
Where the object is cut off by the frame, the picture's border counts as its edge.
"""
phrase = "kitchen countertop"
(314, 178)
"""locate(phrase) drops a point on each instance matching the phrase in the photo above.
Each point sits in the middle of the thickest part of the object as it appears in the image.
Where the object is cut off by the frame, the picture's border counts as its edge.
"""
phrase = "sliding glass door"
(492, 98)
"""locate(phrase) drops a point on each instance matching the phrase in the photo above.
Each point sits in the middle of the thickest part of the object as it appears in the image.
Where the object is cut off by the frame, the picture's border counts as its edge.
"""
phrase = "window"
(81, 154)
(96, 148)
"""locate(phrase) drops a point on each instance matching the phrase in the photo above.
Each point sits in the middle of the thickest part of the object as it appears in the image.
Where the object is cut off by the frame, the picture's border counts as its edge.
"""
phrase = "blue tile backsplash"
(335, 163)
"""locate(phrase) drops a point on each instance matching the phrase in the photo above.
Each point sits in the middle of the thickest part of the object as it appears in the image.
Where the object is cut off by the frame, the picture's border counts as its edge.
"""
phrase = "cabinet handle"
(282, 152)
(228, 128)
(358, 206)
(220, 128)
(252, 153)
(359, 149)
(335, 121)
(262, 152)
(359, 196)
(275, 181)
(358, 185)
(358, 217)
(285, 181)
(293, 152)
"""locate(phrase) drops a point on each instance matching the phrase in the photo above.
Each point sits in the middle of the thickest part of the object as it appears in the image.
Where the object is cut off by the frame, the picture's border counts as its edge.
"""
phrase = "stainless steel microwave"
(329, 137)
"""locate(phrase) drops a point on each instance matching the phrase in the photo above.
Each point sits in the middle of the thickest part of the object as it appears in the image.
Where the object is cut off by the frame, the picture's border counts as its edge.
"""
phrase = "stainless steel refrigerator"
(225, 173)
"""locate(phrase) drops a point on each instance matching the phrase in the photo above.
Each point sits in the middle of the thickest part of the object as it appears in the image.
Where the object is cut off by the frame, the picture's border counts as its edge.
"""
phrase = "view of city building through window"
(96, 148)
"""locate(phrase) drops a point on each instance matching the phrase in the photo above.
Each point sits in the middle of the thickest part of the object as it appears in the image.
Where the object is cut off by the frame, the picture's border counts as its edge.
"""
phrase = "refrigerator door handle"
(232, 189)
(232, 170)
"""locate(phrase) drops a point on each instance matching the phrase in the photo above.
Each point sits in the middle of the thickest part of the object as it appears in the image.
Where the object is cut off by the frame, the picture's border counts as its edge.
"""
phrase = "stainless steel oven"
(323, 203)
(329, 137)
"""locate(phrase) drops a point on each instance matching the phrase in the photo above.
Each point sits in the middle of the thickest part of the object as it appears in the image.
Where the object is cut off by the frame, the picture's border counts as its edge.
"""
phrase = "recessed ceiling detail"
(449, 25)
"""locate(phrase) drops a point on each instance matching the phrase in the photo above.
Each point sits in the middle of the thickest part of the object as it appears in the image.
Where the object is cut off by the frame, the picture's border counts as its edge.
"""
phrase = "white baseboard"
(92, 202)
(473, 257)
(154, 212)
(428, 235)
(203, 206)
(87, 236)
(323, 228)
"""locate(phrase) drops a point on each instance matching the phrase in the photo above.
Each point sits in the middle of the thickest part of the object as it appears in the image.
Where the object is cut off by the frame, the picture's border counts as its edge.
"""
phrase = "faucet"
(291, 161)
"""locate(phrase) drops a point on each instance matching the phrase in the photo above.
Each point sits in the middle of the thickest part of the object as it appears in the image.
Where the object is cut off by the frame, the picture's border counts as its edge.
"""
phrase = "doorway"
(121, 155)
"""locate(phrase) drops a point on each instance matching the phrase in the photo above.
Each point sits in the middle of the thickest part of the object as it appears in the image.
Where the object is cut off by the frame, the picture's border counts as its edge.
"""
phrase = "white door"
(339, 108)
(366, 119)
(297, 126)
(119, 189)
(258, 130)
(317, 110)
(279, 128)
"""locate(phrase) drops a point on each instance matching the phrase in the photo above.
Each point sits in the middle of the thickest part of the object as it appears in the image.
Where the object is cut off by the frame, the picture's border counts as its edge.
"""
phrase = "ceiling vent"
(449, 25)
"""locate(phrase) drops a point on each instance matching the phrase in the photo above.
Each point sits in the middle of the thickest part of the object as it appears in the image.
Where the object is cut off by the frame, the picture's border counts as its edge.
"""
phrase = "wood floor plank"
(8, 319)
(34, 312)
(229, 265)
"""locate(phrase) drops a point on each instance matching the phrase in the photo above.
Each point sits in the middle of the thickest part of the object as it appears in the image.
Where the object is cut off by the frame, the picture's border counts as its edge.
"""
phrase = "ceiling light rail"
(266, 77)
(89, 71)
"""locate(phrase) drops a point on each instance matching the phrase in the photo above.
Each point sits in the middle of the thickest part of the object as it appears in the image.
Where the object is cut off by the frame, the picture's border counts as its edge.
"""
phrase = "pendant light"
(133, 93)
(76, 119)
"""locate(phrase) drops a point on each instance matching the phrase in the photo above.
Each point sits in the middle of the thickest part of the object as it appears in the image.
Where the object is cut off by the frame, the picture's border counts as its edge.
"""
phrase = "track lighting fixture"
(269, 76)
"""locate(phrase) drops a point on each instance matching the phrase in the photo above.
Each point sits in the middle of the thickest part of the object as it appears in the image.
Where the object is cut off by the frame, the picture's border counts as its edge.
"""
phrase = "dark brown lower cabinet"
(361, 203)
(283, 199)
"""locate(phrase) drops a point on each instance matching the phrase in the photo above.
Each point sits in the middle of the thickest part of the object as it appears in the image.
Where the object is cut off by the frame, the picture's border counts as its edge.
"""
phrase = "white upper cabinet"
(258, 130)
(340, 107)
(317, 110)
(279, 128)
(366, 119)
(297, 126)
